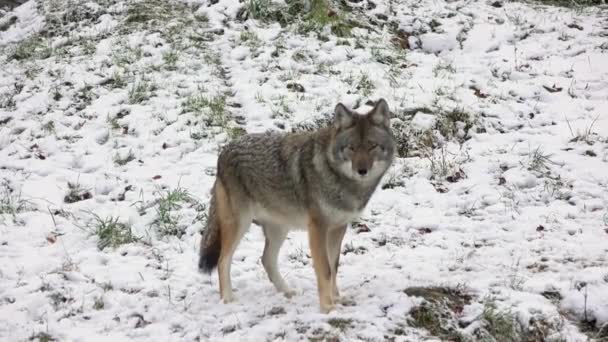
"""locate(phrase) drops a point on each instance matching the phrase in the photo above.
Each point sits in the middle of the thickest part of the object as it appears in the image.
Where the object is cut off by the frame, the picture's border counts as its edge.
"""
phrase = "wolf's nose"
(362, 172)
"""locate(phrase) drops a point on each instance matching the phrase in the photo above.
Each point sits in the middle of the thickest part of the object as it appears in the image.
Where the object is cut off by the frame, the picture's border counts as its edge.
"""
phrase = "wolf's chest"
(338, 216)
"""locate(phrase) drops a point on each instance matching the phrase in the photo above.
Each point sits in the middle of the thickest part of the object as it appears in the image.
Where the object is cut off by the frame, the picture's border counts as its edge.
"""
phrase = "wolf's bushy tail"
(211, 241)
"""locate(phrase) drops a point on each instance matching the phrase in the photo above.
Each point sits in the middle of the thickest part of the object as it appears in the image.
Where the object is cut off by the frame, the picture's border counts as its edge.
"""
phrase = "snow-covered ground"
(112, 113)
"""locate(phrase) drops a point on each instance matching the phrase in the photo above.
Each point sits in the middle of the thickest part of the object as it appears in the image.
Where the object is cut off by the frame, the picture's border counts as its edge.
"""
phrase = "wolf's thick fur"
(318, 180)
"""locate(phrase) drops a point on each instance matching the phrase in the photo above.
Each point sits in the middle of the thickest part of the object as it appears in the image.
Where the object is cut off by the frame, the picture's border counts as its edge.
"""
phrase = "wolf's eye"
(373, 146)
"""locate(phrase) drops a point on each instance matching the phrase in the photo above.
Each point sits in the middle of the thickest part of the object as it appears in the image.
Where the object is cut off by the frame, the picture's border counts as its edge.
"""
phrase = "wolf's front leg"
(317, 235)
(334, 245)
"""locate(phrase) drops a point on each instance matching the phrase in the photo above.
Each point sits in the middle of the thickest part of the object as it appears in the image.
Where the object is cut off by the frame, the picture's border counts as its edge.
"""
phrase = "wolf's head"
(363, 146)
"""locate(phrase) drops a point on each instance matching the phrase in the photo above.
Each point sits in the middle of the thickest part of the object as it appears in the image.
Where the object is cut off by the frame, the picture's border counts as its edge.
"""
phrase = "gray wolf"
(320, 181)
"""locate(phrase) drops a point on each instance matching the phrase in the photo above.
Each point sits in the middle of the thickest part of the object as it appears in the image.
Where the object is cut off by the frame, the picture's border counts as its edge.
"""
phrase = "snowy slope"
(500, 192)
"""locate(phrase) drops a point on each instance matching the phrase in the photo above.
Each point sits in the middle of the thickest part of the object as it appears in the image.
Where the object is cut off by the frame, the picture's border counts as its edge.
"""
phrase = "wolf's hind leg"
(228, 247)
(234, 224)
(275, 236)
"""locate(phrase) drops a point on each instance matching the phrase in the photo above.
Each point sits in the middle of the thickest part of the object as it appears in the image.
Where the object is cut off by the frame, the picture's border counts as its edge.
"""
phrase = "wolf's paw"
(327, 308)
(345, 301)
(227, 299)
(288, 293)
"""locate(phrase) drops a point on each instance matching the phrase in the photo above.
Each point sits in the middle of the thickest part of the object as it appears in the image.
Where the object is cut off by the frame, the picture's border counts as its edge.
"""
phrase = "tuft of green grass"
(259, 98)
(539, 161)
(587, 135)
(124, 56)
(259, 9)
(299, 256)
(76, 193)
(557, 187)
(266, 11)
(122, 160)
(42, 337)
(323, 335)
(198, 135)
(56, 91)
(280, 107)
(170, 58)
(251, 40)
(395, 58)
(11, 202)
(117, 80)
(501, 325)
(572, 3)
(168, 202)
(309, 16)
(98, 303)
(214, 107)
(438, 312)
(442, 164)
(364, 85)
(342, 324)
(33, 47)
(140, 91)
(106, 286)
(147, 12)
(88, 47)
(350, 248)
(7, 101)
(453, 297)
(176, 22)
(195, 104)
(279, 47)
(432, 319)
(235, 132)
(396, 178)
(450, 123)
(300, 56)
(111, 232)
(85, 94)
(321, 15)
(443, 68)
(212, 58)
(593, 331)
(49, 127)
(423, 316)
(541, 328)
(113, 121)
(32, 70)
(202, 18)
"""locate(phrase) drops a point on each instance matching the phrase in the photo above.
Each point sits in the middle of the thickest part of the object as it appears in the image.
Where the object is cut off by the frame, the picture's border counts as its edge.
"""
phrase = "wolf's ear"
(381, 115)
(343, 117)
